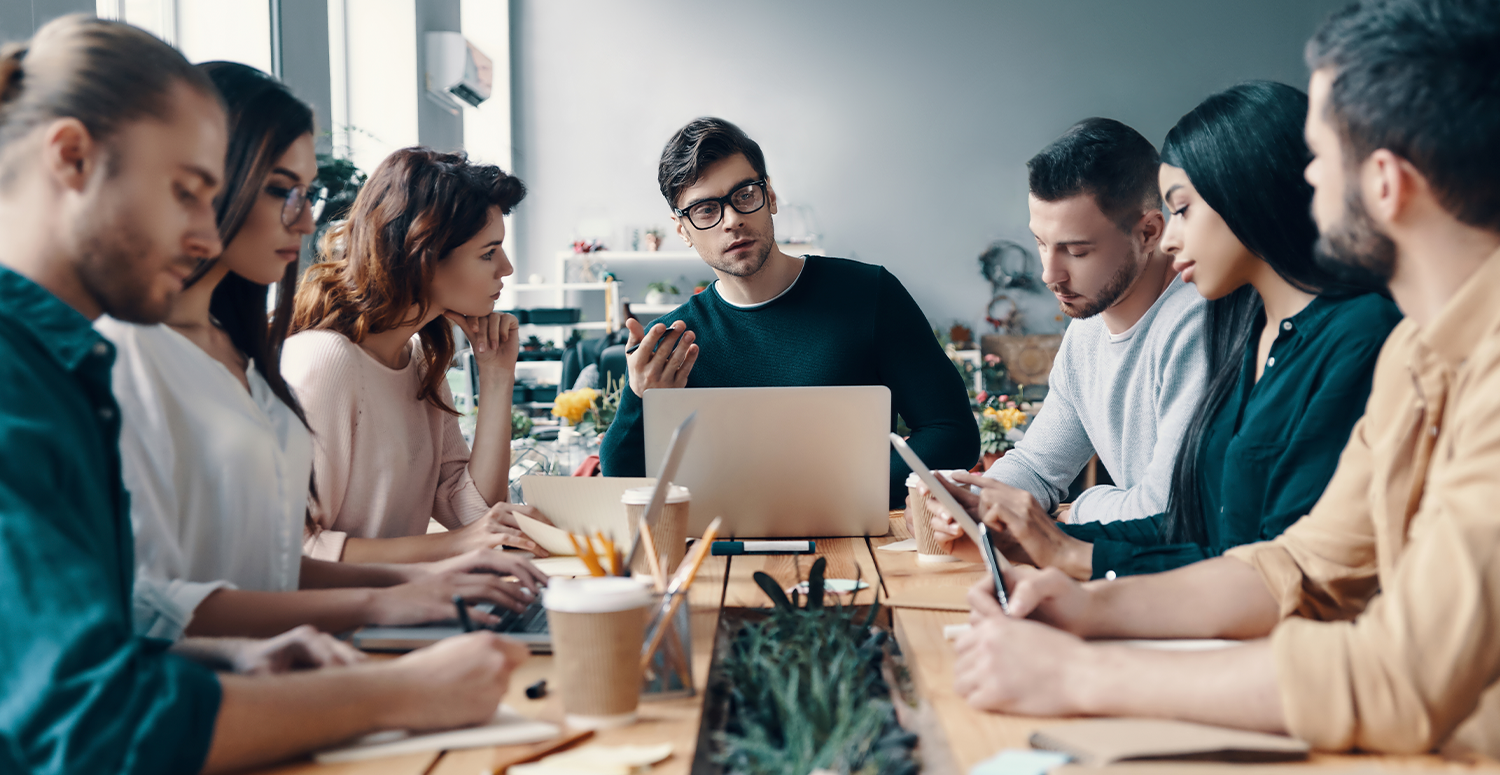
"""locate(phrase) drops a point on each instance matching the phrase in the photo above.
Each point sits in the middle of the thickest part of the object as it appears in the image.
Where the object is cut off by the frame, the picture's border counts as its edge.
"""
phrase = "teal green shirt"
(79, 693)
(1269, 452)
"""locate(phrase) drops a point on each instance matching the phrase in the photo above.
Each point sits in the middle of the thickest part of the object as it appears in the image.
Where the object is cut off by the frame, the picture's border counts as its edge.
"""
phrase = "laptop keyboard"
(533, 620)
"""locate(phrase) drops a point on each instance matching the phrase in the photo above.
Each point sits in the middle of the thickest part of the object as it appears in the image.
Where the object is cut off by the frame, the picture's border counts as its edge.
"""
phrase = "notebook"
(505, 728)
(1106, 741)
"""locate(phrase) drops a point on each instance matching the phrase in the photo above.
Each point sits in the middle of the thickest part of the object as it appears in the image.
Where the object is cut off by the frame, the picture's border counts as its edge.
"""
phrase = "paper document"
(505, 728)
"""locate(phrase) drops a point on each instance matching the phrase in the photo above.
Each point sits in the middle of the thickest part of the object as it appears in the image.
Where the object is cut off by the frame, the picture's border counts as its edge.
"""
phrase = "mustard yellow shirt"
(1390, 587)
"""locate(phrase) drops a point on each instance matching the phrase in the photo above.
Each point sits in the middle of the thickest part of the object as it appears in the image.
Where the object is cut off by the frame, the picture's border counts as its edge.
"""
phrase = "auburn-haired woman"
(419, 252)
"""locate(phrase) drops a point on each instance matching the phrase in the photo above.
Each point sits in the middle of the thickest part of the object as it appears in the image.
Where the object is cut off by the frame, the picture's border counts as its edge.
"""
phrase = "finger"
(530, 511)
(501, 538)
(341, 653)
(1027, 592)
(637, 333)
(515, 651)
(668, 344)
(648, 343)
(960, 492)
(509, 325)
(680, 352)
(490, 325)
(463, 322)
(982, 600)
(491, 589)
(687, 364)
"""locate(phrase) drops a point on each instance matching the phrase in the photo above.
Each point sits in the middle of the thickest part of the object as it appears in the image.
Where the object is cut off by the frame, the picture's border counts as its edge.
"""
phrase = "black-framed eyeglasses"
(295, 200)
(707, 213)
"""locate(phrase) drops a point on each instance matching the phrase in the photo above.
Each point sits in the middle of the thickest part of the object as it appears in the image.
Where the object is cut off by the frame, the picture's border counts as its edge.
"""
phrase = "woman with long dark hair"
(215, 447)
(373, 337)
(1291, 348)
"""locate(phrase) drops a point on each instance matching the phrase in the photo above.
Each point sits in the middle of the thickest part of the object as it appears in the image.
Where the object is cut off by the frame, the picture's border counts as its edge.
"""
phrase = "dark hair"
(104, 73)
(697, 146)
(1105, 159)
(1244, 152)
(417, 206)
(264, 120)
(1419, 78)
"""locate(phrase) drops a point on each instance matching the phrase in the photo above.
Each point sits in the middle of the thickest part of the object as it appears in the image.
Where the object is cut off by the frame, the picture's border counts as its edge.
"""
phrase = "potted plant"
(652, 238)
(701, 286)
(999, 428)
(961, 336)
(657, 292)
(532, 344)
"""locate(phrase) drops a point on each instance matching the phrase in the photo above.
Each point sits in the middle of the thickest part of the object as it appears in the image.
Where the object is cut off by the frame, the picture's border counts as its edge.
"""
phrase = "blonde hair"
(103, 73)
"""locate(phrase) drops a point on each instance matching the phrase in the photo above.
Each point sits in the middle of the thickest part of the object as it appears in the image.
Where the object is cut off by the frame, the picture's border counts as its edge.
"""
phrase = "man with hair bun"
(112, 149)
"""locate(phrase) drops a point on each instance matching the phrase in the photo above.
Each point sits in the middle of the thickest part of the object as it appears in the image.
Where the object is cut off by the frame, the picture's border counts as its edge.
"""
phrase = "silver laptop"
(781, 461)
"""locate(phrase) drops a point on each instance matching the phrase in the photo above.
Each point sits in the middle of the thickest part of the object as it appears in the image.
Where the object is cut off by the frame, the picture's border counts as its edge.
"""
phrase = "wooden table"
(954, 736)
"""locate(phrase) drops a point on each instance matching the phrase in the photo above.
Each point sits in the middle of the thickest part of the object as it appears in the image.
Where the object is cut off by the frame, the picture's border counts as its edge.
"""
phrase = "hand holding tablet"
(976, 531)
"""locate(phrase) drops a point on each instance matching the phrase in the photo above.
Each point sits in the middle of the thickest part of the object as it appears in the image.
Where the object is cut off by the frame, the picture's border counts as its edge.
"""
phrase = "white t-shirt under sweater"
(1128, 397)
(217, 476)
(385, 462)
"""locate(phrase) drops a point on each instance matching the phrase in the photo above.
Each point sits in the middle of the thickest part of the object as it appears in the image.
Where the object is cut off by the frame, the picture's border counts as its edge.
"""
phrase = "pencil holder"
(669, 674)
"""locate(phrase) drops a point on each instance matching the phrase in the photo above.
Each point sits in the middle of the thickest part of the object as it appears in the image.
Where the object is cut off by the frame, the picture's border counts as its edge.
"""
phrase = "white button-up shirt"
(218, 477)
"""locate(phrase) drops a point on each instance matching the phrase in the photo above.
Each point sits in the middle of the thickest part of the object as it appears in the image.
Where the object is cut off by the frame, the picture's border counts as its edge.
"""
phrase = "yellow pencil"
(586, 553)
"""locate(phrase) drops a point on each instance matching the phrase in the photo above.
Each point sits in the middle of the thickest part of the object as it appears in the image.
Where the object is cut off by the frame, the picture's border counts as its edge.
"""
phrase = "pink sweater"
(383, 461)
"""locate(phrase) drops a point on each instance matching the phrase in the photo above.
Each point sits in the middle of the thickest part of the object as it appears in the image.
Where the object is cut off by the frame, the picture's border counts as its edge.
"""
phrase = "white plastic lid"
(912, 480)
(595, 594)
(641, 496)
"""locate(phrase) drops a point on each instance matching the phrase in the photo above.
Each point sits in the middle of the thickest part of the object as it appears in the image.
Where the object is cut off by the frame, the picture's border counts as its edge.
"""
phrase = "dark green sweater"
(1269, 452)
(841, 323)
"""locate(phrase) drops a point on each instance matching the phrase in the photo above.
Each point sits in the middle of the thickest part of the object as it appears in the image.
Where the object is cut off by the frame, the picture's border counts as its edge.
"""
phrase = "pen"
(723, 548)
(631, 350)
(463, 613)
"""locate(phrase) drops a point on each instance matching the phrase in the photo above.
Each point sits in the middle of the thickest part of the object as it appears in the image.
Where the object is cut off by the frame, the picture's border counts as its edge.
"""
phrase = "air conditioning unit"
(457, 73)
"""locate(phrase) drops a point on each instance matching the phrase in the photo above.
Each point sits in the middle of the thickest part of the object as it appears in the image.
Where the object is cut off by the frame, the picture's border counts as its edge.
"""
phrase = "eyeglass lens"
(297, 199)
(745, 200)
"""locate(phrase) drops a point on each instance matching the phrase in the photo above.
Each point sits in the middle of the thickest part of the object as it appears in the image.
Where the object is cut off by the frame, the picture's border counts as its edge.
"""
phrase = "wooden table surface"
(954, 736)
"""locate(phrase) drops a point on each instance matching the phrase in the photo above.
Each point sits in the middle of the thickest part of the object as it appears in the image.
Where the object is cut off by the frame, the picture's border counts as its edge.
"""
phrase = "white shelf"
(652, 309)
(558, 287)
(632, 256)
(599, 325)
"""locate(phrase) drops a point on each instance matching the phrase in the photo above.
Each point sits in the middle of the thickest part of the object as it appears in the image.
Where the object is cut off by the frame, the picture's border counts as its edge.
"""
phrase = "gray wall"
(19, 19)
(906, 126)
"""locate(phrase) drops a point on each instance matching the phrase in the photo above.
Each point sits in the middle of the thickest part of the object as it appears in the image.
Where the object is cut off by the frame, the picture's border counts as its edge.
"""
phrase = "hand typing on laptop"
(660, 358)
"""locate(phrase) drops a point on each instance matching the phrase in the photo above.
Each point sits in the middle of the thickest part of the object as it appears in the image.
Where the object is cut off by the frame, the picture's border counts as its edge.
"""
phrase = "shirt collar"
(61, 330)
(1473, 312)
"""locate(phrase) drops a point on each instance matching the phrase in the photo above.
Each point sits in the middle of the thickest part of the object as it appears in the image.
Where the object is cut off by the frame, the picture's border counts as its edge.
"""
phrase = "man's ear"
(70, 155)
(682, 230)
(1150, 228)
(770, 195)
(1389, 184)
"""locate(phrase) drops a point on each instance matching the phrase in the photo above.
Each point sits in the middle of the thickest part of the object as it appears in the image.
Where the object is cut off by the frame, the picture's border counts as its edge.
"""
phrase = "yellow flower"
(1009, 418)
(573, 404)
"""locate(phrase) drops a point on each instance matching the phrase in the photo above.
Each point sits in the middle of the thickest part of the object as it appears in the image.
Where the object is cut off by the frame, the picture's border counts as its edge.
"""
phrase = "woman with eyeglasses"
(372, 339)
(215, 447)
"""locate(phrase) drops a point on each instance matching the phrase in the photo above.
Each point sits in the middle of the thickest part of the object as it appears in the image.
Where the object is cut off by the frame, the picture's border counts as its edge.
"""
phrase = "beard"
(1354, 250)
(748, 266)
(1113, 290)
(115, 265)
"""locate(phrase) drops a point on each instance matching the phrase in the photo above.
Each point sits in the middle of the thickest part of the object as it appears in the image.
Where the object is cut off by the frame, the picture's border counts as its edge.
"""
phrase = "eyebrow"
(732, 189)
(1171, 191)
(209, 179)
(491, 244)
(284, 171)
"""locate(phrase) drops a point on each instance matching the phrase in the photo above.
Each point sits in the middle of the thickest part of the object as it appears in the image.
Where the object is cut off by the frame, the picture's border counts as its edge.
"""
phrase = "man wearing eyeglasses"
(776, 320)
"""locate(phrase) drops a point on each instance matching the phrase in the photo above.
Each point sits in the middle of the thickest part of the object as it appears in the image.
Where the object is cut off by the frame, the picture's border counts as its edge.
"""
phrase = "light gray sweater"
(1129, 398)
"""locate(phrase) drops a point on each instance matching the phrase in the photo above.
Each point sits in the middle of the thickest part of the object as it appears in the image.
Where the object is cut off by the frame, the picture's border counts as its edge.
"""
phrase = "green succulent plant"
(806, 691)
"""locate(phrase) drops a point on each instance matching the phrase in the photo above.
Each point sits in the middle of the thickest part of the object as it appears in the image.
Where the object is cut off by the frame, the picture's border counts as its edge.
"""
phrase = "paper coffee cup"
(598, 626)
(929, 551)
(670, 531)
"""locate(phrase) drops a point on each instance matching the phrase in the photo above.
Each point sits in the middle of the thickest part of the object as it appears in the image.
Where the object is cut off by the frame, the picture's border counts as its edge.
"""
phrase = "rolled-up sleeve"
(1414, 664)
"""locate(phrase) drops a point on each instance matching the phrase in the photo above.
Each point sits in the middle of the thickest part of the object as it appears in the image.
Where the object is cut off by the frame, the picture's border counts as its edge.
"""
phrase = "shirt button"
(1110, 575)
(100, 349)
(1271, 361)
(106, 413)
(1286, 325)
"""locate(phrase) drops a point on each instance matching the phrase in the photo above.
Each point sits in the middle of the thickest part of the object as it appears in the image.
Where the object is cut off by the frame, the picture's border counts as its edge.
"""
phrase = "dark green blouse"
(1270, 450)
